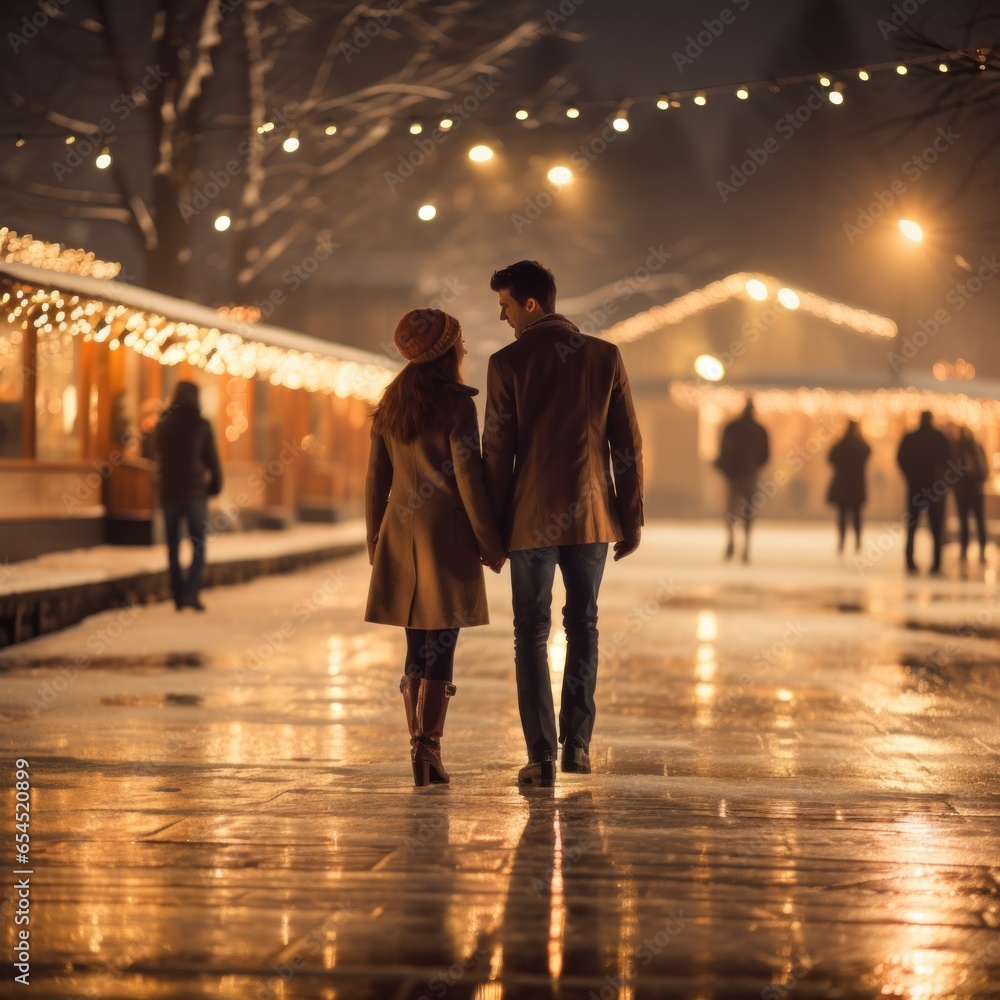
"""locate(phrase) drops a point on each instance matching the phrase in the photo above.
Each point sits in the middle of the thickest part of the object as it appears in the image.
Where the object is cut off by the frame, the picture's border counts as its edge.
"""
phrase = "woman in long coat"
(430, 526)
(847, 488)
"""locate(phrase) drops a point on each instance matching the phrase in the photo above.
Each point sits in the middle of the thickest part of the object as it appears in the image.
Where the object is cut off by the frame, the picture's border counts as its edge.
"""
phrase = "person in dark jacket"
(562, 455)
(744, 449)
(189, 474)
(923, 456)
(971, 466)
(847, 488)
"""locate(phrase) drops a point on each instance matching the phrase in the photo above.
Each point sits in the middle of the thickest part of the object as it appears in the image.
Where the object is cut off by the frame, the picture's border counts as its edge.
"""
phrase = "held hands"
(626, 547)
(495, 566)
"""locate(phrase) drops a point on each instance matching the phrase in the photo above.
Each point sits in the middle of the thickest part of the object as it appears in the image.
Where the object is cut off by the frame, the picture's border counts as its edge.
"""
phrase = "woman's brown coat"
(429, 521)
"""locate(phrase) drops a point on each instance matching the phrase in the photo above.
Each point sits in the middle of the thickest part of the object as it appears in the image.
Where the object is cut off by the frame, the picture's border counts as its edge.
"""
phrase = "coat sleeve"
(377, 486)
(210, 456)
(626, 452)
(499, 442)
(467, 460)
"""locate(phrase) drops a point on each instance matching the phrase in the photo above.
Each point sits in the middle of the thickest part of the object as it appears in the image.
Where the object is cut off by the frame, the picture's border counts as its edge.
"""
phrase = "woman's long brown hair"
(411, 403)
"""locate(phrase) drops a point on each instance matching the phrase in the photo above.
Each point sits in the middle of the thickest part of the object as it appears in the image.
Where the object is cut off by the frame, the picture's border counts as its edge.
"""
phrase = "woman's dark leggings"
(430, 653)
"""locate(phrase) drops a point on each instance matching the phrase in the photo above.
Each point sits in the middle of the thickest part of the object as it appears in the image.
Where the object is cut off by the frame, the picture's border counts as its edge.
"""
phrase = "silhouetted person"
(744, 449)
(189, 474)
(847, 488)
(923, 456)
(973, 470)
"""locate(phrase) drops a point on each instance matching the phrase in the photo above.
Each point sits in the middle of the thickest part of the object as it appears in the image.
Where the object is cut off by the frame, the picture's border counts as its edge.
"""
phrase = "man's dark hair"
(527, 279)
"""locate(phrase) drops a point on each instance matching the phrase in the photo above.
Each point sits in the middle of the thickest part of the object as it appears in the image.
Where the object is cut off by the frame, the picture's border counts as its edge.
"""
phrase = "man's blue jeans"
(531, 573)
(186, 587)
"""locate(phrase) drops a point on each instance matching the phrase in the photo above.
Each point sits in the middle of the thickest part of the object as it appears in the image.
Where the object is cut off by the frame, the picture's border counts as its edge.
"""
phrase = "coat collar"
(468, 390)
(552, 321)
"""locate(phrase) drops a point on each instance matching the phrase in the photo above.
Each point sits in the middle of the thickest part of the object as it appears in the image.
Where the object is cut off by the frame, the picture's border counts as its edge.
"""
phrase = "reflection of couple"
(558, 478)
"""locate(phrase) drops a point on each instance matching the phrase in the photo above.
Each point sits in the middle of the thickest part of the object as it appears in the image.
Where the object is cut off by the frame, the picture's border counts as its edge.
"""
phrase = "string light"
(572, 112)
(901, 69)
(942, 67)
(480, 154)
(743, 93)
(223, 222)
(426, 212)
(265, 127)
(863, 75)
(26, 249)
(103, 160)
(445, 124)
(836, 97)
(331, 130)
(291, 144)
(735, 286)
(620, 123)
(19, 141)
(217, 349)
(700, 99)
(521, 114)
(416, 128)
(560, 175)
(817, 402)
(663, 102)
(824, 80)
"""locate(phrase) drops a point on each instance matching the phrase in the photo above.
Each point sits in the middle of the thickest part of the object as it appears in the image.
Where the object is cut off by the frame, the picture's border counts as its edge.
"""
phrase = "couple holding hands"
(557, 478)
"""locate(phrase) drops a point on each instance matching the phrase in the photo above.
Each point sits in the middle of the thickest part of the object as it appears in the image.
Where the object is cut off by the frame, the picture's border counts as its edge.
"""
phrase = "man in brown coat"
(563, 463)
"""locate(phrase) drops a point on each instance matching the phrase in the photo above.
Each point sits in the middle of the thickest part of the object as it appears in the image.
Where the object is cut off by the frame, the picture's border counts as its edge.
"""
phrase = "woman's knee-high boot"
(409, 684)
(432, 708)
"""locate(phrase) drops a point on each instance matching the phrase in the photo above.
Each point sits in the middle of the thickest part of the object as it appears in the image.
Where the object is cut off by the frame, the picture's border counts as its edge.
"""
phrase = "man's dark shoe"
(540, 770)
(196, 604)
(575, 758)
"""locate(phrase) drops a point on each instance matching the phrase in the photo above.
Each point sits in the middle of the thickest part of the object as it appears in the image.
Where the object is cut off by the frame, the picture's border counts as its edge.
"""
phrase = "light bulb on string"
(426, 212)
(620, 123)
(700, 99)
(572, 112)
(480, 153)
(292, 142)
(416, 128)
(446, 123)
(560, 175)
(331, 130)
(942, 67)
(222, 222)
(521, 114)
(824, 80)
(20, 140)
(837, 94)
(743, 93)
(103, 160)
(663, 103)
(901, 69)
(863, 75)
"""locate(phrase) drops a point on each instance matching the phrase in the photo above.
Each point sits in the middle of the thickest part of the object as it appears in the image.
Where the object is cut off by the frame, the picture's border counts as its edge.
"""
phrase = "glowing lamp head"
(103, 160)
(911, 230)
(223, 222)
(426, 212)
(709, 368)
(480, 154)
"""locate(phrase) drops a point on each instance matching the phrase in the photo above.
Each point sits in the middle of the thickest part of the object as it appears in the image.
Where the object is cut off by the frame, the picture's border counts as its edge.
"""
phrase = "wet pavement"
(796, 793)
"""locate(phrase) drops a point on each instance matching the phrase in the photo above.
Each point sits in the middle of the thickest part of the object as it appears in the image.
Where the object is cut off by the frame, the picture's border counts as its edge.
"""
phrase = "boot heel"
(421, 773)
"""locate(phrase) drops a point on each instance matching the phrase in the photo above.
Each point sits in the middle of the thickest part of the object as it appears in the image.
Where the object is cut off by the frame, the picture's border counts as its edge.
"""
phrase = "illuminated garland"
(16, 249)
(757, 287)
(958, 408)
(169, 343)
